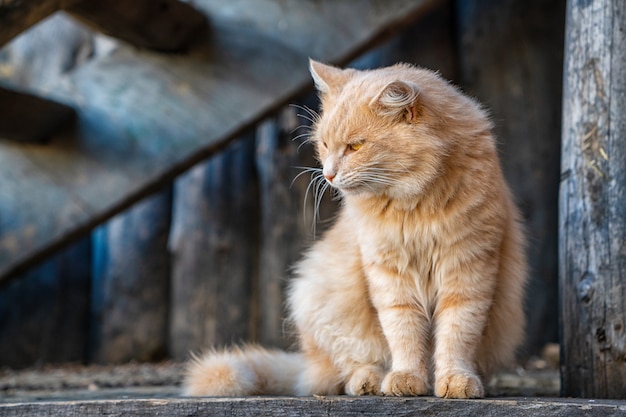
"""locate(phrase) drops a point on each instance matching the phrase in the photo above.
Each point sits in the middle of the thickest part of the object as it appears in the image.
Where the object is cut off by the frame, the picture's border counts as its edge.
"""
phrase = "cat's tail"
(249, 370)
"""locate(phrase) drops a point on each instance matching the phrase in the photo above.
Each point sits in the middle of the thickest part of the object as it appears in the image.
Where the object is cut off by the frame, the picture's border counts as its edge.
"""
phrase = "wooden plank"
(45, 313)
(510, 58)
(164, 25)
(140, 380)
(131, 284)
(327, 406)
(330, 31)
(593, 202)
(145, 118)
(18, 15)
(214, 248)
(28, 118)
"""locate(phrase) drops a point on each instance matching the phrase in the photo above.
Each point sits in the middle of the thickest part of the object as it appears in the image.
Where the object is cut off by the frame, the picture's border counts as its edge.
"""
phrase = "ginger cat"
(418, 286)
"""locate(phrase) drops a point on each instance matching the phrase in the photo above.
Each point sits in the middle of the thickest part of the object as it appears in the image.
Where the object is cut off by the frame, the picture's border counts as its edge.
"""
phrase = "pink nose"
(329, 177)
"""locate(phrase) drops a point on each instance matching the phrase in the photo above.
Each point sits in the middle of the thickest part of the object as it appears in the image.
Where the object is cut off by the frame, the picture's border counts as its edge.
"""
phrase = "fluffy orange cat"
(418, 286)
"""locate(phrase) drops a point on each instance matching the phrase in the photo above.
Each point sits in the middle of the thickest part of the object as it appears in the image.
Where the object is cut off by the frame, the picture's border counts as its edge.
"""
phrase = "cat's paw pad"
(459, 385)
(365, 381)
(404, 384)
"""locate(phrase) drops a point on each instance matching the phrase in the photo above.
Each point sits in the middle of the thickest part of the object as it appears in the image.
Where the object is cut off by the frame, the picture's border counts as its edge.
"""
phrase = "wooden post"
(593, 201)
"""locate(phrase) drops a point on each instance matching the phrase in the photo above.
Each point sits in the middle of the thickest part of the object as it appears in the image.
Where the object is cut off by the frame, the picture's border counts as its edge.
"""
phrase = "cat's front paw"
(404, 384)
(365, 381)
(460, 384)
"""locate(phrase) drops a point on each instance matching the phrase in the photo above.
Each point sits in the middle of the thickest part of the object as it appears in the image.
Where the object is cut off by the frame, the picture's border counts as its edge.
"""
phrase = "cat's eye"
(355, 146)
(324, 145)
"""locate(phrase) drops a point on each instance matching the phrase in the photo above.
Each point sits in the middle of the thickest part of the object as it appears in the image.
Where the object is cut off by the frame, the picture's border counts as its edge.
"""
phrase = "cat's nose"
(330, 169)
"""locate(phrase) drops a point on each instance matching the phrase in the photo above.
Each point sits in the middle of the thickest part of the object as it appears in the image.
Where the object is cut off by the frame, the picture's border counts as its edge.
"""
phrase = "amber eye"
(355, 146)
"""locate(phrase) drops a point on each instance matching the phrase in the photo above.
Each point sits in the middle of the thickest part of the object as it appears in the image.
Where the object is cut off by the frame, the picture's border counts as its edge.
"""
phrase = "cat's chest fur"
(397, 239)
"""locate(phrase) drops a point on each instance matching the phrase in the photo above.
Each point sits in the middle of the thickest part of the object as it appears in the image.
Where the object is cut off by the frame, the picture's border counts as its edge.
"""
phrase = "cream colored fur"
(418, 286)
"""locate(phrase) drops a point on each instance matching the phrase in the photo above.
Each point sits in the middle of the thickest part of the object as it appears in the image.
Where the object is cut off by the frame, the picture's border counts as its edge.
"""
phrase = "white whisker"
(307, 117)
(312, 113)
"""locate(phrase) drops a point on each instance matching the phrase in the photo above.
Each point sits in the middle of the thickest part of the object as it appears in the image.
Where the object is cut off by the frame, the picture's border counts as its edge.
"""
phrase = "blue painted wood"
(44, 314)
(130, 296)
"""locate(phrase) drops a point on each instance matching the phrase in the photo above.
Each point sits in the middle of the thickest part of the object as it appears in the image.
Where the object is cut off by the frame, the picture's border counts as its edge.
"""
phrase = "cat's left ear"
(399, 99)
(327, 78)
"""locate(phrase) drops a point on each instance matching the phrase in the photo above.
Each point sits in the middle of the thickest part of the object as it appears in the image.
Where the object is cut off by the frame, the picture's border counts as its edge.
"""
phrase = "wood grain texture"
(163, 25)
(144, 118)
(510, 58)
(214, 248)
(326, 406)
(593, 202)
(131, 283)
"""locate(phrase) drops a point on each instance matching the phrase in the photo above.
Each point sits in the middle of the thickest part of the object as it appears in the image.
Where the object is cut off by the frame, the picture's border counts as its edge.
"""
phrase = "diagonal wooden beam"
(144, 117)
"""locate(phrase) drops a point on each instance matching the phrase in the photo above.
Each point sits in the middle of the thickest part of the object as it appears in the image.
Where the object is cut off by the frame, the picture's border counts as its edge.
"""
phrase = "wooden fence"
(205, 261)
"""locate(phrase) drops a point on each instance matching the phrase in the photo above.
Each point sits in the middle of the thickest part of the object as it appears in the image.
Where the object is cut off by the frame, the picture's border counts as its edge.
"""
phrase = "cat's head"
(388, 131)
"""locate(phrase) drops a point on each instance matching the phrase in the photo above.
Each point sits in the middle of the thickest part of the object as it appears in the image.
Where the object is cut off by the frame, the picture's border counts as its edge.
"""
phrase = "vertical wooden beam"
(510, 55)
(214, 252)
(130, 295)
(44, 314)
(593, 201)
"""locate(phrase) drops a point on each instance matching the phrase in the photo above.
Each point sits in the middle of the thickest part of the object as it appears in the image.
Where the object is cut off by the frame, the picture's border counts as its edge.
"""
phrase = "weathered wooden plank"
(131, 283)
(327, 30)
(32, 62)
(164, 25)
(327, 406)
(144, 117)
(44, 315)
(18, 15)
(510, 58)
(593, 202)
(214, 248)
(28, 118)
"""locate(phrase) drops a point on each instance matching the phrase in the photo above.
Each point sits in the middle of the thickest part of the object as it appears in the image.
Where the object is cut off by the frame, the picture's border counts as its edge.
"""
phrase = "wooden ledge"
(144, 404)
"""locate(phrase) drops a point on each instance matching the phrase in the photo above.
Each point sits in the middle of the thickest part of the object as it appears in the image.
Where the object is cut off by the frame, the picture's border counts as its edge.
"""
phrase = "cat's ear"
(327, 78)
(398, 99)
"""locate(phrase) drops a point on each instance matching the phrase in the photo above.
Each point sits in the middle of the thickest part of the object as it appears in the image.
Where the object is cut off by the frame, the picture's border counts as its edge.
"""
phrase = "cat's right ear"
(399, 99)
(326, 77)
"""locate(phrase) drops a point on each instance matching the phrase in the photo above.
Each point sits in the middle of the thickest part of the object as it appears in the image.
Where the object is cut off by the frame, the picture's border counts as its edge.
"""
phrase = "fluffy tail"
(250, 370)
